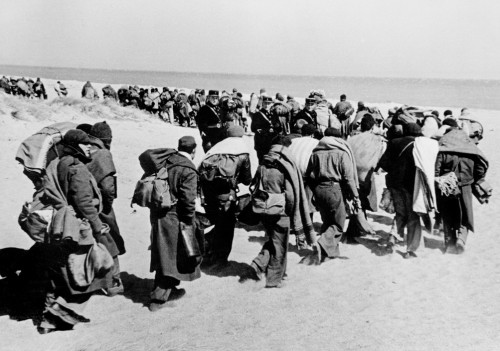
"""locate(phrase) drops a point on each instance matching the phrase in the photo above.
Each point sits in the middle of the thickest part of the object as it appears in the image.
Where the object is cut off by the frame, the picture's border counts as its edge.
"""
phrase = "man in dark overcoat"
(103, 169)
(459, 154)
(209, 121)
(175, 249)
(263, 128)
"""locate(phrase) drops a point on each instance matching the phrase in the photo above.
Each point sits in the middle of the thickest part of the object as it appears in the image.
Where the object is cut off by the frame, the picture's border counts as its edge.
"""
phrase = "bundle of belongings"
(48, 218)
(409, 114)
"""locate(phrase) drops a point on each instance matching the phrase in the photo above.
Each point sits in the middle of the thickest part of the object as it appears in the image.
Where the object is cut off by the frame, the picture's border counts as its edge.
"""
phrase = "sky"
(458, 39)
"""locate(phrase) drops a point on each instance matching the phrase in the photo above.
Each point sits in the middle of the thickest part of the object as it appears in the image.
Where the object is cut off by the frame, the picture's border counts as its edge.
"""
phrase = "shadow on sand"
(231, 269)
(22, 291)
(377, 244)
(136, 289)
(385, 220)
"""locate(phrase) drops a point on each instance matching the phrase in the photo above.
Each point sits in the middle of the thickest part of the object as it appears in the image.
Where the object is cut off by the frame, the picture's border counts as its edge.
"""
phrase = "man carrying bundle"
(175, 249)
(461, 159)
(278, 181)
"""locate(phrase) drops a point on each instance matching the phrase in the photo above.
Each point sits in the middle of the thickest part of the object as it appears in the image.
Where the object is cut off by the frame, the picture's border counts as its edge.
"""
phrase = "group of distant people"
(316, 158)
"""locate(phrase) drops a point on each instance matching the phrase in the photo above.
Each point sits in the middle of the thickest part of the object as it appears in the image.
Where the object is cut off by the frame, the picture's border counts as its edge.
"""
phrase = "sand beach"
(371, 300)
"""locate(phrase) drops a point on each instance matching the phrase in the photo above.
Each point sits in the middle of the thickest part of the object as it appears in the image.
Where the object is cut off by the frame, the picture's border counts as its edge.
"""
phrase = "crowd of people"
(316, 158)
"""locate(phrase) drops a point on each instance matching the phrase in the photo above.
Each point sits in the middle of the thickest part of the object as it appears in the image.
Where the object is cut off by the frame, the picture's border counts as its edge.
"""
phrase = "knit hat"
(187, 143)
(235, 131)
(334, 132)
(102, 131)
(85, 127)
(75, 137)
(308, 129)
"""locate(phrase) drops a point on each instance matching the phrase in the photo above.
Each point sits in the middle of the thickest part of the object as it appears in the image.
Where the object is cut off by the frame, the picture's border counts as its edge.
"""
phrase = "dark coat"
(264, 132)
(168, 254)
(80, 189)
(103, 169)
(399, 164)
(308, 116)
(468, 170)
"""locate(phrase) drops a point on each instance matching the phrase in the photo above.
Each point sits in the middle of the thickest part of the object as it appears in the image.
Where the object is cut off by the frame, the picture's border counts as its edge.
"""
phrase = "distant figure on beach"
(294, 108)
(60, 89)
(88, 92)
(39, 89)
(4, 85)
(343, 110)
(210, 122)
(22, 88)
(307, 113)
(263, 128)
(109, 93)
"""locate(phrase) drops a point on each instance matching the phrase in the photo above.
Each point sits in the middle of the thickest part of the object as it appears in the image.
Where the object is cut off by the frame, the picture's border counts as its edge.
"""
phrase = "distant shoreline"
(475, 94)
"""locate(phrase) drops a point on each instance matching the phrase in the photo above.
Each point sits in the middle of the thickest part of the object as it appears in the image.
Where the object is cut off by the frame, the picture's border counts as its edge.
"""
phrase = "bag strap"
(406, 147)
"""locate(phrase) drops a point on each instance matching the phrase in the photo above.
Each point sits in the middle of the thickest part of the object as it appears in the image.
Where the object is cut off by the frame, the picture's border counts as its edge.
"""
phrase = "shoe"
(116, 289)
(156, 305)
(278, 286)
(257, 271)
(460, 247)
(176, 294)
(409, 254)
(43, 331)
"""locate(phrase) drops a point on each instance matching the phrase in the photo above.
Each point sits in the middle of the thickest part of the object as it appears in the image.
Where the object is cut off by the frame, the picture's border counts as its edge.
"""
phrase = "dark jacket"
(467, 169)
(103, 169)
(263, 129)
(208, 118)
(308, 116)
(399, 164)
(76, 183)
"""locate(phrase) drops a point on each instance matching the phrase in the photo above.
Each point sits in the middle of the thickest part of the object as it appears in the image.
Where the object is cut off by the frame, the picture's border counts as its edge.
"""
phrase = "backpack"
(35, 153)
(218, 172)
(153, 191)
(265, 202)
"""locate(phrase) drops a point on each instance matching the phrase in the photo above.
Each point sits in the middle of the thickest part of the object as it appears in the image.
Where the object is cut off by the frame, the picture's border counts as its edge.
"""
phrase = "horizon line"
(249, 74)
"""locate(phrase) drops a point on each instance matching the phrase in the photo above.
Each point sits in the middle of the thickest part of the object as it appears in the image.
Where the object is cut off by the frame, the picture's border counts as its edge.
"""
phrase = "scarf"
(300, 219)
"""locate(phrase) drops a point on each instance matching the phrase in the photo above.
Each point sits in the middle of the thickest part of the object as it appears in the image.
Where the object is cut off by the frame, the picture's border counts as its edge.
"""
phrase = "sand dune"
(370, 301)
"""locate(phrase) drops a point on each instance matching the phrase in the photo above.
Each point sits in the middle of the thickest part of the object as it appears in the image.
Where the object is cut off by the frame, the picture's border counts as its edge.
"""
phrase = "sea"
(455, 93)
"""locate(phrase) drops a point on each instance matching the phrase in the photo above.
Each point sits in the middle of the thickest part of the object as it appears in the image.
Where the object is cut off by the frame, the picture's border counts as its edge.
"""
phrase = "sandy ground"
(370, 301)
